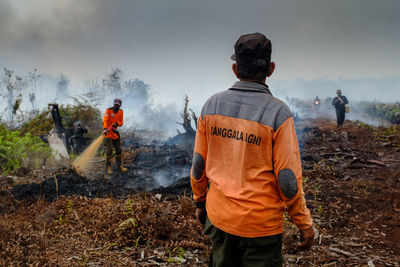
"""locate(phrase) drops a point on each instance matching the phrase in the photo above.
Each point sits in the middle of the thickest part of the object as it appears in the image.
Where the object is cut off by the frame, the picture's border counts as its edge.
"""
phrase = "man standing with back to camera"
(246, 166)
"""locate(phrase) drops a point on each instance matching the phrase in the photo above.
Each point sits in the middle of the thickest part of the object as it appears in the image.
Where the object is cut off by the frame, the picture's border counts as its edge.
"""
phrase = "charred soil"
(351, 180)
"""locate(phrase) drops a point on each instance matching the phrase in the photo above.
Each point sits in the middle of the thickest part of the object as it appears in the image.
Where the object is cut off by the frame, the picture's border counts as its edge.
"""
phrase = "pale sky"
(184, 46)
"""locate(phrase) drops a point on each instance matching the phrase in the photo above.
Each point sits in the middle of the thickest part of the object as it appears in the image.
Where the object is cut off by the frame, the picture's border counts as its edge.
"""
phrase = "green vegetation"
(129, 233)
(65, 217)
(129, 207)
(390, 131)
(42, 123)
(39, 125)
(365, 126)
(176, 255)
(389, 112)
(21, 151)
(88, 116)
(84, 259)
(305, 180)
(316, 188)
(69, 205)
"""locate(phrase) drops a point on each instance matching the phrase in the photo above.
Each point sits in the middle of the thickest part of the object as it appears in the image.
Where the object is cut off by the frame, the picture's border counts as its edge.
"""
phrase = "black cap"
(253, 52)
(118, 102)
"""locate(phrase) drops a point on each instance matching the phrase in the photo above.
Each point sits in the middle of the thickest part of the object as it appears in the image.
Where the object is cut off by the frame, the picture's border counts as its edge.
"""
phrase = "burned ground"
(352, 184)
(157, 168)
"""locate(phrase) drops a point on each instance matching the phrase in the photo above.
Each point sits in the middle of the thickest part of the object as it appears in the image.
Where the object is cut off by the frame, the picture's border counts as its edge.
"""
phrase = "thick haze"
(184, 46)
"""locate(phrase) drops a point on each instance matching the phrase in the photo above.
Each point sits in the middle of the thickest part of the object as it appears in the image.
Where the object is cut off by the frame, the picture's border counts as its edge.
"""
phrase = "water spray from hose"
(82, 163)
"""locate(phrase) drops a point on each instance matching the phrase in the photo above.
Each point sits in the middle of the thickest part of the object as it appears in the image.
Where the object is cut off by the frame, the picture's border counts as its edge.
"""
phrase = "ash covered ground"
(351, 180)
(154, 166)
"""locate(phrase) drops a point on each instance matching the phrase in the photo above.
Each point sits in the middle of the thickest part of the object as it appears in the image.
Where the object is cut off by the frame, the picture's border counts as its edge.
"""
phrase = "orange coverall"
(246, 163)
(110, 118)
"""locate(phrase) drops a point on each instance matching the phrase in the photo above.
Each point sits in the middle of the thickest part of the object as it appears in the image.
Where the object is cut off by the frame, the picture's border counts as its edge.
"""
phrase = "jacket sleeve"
(345, 100)
(287, 168)
(198, 176)
(121, 119)
(105, 119)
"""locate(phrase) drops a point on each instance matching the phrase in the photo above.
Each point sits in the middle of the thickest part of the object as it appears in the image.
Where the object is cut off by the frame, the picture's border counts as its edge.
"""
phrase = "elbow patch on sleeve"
(197, 166)
(287, 183)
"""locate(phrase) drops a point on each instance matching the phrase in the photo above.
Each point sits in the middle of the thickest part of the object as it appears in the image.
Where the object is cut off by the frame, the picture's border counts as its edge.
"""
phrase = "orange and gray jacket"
(110, 118)
(246, 163)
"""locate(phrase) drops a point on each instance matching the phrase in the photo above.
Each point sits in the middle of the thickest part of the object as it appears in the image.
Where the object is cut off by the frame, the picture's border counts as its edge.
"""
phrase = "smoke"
(37, 92)
(170, 44)
(386, 89)
(6, 20)
(140, 111)
(166, 177)
(62, 87)
(305, 109)
(300, 93)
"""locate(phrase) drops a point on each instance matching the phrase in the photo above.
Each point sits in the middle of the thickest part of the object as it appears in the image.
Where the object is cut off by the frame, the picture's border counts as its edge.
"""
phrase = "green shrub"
(17, 151)
(24, 148)
(42, 123)
(90, 117)
(386, 112)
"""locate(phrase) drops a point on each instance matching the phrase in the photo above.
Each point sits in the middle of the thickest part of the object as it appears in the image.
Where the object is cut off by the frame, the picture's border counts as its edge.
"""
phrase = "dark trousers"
(340, 114)
(235, 251)
(113, 143)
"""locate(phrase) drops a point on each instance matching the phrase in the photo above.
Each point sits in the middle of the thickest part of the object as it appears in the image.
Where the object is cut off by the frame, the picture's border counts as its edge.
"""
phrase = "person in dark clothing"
(317, 102)
(77, 141)
(340, 102)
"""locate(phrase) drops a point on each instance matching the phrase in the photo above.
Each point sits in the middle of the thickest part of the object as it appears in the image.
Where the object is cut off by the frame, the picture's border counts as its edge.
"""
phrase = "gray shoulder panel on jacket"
(250, 105)
(283, 114)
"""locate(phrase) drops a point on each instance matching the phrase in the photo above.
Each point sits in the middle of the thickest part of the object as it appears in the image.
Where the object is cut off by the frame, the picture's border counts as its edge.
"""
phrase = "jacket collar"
(251, 86)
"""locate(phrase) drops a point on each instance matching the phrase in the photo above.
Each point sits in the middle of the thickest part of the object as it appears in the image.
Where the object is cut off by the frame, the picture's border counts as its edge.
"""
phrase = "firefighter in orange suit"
(246, 166)
(113, 118)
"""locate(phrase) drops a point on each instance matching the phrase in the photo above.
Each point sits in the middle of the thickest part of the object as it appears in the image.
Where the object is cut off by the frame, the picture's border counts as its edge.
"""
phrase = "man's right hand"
(307, 238)
(201, 215)
(105, 131)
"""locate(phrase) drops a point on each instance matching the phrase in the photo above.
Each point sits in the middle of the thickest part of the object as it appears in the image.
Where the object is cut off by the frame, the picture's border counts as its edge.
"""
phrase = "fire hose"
(113, 127)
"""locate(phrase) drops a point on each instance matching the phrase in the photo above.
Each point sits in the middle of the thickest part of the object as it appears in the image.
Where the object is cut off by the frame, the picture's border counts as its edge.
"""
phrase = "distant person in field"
(246, 166)
(113, 118)
(317, 103)
(340, 102)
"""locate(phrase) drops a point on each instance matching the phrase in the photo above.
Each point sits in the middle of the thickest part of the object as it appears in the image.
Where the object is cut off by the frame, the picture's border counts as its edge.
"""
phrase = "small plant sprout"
(176, 255)
(69, 205)
(131, 222)
(320, 211)
(316, 188)
(128, 207)
(60, 219)
(84, 258)
(305, 180)
(137, 241)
